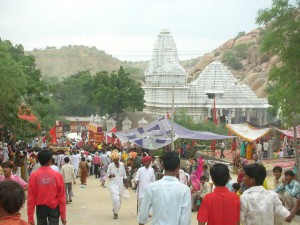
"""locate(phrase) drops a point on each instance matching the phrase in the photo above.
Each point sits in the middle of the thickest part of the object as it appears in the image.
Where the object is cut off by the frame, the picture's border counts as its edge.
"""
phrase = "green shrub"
(240, 34)
(241, 50)
(229, 57)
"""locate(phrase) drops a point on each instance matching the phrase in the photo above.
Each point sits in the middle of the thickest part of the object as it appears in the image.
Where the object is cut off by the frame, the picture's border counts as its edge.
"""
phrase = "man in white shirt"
(170, 199)
(59, 160)
(259, 151)
(116, 172)
(75, 160)
(53, 166)
(266, 148)
(144, 176)
(258, 205)
(67, 171)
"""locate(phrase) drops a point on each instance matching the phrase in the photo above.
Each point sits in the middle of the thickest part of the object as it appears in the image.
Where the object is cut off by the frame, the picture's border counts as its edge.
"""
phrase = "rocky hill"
(68, 60)
(242, 56)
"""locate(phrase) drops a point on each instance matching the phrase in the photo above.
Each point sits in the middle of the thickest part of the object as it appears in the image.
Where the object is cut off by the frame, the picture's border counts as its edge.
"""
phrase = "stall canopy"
(290, 133)
(158, 134)
(247, 132)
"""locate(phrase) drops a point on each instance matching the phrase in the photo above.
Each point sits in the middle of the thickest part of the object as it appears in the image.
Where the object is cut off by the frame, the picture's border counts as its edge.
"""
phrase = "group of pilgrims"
(167, 193)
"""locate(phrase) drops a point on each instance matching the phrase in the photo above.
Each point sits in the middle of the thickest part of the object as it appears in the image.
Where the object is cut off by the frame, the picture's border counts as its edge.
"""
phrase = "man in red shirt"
(46, 191)
(97, 162)
(220, 206)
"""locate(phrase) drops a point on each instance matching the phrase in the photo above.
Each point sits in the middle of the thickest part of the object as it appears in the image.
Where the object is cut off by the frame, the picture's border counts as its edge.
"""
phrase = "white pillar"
(229, 116)
(265, 116)
(260, 116)
(248, 113)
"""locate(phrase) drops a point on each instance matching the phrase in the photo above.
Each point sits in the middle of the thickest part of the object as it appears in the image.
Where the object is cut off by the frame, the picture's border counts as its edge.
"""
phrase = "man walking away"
(170, 199)
(67, 171)
(222, 150)
(75, 159)
(46, 192)
(96, 162)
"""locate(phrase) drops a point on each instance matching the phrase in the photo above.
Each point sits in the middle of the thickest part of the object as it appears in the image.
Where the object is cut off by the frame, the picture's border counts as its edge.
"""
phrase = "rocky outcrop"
(255, 66)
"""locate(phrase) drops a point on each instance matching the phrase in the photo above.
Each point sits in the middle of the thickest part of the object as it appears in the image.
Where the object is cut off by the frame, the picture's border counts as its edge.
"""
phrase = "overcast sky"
(127, 29)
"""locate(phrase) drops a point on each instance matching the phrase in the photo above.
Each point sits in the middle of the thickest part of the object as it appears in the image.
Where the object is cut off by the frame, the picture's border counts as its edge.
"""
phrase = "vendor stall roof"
(247, 132)
(157, 134)
(290, 132)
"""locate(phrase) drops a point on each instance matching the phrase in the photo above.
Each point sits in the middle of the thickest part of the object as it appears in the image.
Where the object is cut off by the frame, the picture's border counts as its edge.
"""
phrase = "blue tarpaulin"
(157, 134)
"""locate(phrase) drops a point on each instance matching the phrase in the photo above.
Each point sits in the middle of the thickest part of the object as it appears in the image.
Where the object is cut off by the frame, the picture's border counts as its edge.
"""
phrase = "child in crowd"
(291, 189)
(229, 184)
(102, 176)
(278, 182)
(211, 211)
(205, 172)
(12, 198)
(236, 188)
(259, 205)
(277, 172)
(198, 195)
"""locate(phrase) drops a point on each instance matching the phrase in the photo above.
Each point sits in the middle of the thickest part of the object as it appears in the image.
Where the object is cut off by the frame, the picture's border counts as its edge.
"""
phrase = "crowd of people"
(166, 192)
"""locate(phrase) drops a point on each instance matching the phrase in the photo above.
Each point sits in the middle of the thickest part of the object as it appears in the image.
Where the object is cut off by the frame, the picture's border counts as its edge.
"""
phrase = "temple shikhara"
(234, 102)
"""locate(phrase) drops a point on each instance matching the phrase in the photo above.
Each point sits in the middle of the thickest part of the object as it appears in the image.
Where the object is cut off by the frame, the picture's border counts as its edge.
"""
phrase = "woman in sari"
(243, 149)
(199, 169)
(249, 151)
(84, 171)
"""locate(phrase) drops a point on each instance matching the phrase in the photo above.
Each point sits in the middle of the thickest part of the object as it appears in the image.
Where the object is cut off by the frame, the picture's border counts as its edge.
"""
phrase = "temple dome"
(165, 57)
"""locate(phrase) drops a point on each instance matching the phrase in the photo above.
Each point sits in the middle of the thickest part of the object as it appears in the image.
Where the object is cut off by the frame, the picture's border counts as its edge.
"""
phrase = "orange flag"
(52, 133)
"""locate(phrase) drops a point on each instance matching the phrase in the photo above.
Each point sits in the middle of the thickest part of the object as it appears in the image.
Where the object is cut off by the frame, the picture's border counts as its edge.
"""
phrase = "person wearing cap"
(7, 170)
(117, 174)
(291, 189)
(144, 176)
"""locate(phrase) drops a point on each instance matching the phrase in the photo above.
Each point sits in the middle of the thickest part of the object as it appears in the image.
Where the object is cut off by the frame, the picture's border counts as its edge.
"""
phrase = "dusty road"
(92, 206)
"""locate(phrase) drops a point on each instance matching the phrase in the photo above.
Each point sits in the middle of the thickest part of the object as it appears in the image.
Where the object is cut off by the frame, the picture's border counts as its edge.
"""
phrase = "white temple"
(235, 103)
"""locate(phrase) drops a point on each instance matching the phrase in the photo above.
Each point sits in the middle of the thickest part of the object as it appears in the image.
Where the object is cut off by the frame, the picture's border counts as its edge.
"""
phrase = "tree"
(72, 94)
(20, 85)
(115, 92)
(187, 121)
(281, 37)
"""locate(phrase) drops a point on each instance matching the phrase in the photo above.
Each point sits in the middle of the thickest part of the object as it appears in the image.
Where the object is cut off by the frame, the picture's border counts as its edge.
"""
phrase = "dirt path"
(92, 206)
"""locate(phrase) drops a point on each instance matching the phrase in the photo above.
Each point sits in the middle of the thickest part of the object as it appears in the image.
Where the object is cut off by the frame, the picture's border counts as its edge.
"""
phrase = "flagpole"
(172, 124)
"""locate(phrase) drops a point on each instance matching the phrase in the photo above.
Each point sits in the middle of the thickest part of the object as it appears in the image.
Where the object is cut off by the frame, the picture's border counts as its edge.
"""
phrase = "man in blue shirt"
(291, 189)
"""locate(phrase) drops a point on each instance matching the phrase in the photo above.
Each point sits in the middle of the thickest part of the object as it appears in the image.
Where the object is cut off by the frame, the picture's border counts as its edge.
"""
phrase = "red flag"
(52, 133)
(215, 113)
(112, 140)
(114, 129)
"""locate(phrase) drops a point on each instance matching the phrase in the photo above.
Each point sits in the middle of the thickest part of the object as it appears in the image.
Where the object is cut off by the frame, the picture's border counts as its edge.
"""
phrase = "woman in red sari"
(84, 170)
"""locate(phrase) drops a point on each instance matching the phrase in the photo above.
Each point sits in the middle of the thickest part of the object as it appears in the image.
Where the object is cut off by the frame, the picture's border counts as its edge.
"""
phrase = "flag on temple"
(215, 113)
(52, 133)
